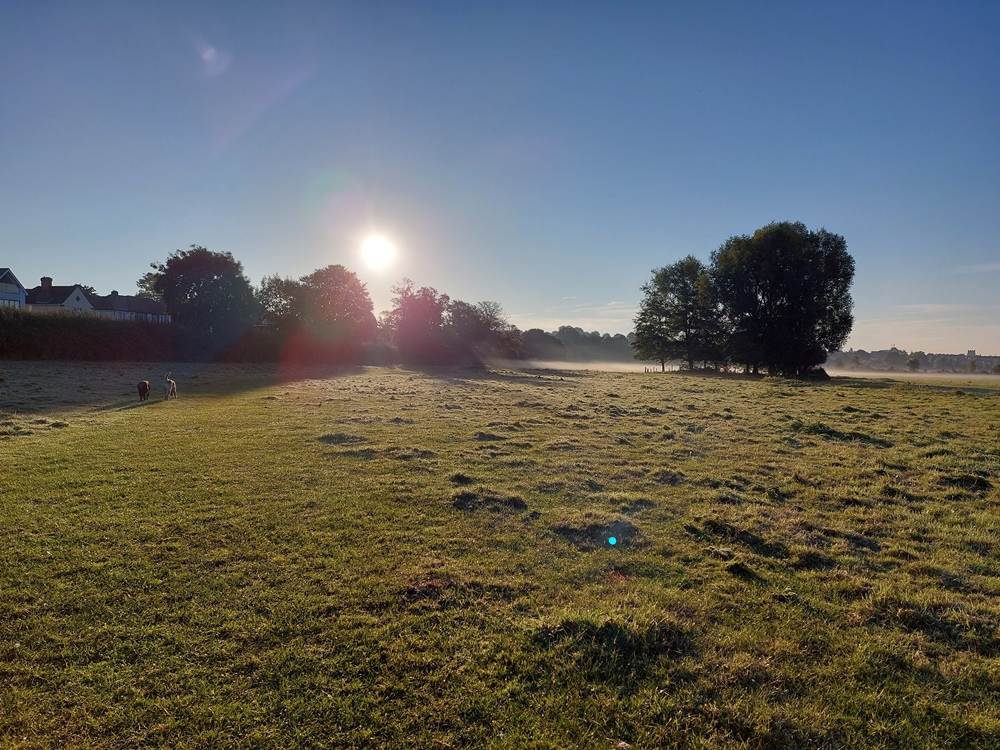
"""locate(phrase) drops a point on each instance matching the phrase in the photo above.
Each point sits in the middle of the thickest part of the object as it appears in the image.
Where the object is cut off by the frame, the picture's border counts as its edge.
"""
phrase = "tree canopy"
(538, 344)
(336, 305)
(481, 331)
(428, 327)
(416, 323)
(778, 299)
(205, 291)
(676, 317)
(785, 295)
(326, 315)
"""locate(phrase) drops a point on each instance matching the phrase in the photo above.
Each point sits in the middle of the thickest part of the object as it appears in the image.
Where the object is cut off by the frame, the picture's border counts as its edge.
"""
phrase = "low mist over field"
(591, 366)
(987, 380)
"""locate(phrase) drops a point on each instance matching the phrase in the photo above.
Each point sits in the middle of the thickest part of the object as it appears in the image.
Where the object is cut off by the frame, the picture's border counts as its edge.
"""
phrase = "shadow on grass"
(831, 433)
(953, 625)
(592, 536)
(43, 387)
(478, 498)
(755, 542)
(511, 374)
(614, 652)
(46, 386)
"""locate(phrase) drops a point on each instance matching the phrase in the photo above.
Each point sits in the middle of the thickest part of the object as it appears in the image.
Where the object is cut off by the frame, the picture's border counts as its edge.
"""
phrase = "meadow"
(399, 558)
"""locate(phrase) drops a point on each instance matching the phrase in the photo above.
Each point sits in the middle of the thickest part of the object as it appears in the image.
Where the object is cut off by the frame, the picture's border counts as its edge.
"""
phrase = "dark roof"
(57, 295)
(54, 295)
(125, 303)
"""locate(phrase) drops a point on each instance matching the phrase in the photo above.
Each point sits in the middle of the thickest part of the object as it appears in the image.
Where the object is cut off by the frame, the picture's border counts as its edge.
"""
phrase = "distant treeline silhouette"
(325, 317)
(777, 300)
(77, 336)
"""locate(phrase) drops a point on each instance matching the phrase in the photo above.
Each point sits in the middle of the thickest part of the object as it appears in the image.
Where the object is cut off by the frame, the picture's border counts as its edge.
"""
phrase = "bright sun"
(378, 252)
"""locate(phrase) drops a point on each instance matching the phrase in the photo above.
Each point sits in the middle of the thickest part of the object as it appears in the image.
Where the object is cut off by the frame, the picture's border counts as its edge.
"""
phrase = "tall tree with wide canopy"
(324, 316)
(416, 323)
(204, 290)
(654, 339)
(482, 330)
(676, 319)
(785, 296)
(537, 344)
(279, 298)
(334, 304)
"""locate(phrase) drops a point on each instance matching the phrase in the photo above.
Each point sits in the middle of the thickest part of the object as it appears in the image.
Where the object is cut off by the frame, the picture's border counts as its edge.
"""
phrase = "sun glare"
(378, 252)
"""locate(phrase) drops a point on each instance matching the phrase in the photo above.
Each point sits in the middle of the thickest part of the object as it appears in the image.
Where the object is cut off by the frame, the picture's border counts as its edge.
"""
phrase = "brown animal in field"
(144, 390)
(169, 387)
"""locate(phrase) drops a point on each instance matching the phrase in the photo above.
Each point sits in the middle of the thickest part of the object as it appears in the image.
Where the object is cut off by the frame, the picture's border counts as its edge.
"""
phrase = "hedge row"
(68, 336)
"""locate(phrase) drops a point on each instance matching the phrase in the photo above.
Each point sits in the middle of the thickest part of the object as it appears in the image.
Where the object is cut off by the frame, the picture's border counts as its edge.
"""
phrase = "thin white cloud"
(214, 62)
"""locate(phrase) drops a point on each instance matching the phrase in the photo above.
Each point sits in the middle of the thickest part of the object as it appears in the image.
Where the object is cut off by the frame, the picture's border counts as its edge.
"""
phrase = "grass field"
(393, 558)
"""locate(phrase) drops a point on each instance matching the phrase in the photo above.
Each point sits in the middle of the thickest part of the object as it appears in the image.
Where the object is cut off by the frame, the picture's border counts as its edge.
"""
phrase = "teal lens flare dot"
(612, 541)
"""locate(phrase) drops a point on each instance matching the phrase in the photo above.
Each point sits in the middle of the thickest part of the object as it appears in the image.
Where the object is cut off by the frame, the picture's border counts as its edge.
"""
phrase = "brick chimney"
(47, 284)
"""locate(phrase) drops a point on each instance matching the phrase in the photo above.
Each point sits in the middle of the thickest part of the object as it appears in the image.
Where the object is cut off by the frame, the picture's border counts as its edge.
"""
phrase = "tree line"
(777, 300)
(328, 316)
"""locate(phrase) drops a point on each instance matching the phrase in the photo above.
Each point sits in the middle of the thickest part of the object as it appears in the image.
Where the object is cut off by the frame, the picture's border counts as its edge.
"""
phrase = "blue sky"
(546, 155)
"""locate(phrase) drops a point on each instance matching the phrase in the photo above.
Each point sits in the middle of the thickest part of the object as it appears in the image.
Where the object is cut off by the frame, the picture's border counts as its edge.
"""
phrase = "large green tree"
(482, 330)
(416, 323)
(332, 303)
(205, 291)
(280, 299)
(335, 304)
(676, 318)
(537, 344)
(324, 316)
(785, 296)
(653, 339)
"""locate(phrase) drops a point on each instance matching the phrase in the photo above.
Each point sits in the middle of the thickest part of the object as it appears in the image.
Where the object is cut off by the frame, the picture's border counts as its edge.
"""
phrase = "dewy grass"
(394, 558)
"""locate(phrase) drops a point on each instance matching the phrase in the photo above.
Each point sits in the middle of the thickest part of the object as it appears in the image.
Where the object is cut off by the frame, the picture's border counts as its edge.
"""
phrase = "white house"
(48, 298)
(124, 307)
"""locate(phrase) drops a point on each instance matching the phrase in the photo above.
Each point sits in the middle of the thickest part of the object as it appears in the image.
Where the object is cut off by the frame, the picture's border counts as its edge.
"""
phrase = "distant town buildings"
(899, 360)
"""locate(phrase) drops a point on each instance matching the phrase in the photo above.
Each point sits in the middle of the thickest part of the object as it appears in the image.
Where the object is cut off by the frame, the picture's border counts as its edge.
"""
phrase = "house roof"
(53, 295)
(57, 295)
(125, 303)
(6, 275)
